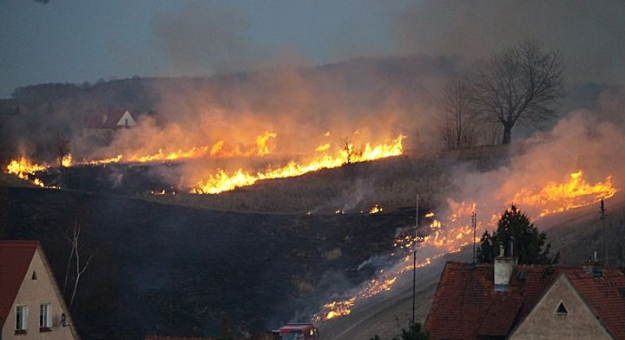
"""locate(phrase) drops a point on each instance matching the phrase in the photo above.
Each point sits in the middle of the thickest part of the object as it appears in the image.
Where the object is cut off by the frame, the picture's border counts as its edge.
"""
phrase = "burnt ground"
(170, 270)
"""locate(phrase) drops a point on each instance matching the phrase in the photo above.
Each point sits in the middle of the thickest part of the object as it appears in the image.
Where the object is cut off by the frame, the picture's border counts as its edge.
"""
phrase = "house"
(111, 119)
(31, 304)
(508, 301)
(102, 125)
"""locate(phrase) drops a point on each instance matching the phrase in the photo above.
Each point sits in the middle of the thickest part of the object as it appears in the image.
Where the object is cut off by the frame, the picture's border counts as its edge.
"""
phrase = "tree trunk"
(507, 134)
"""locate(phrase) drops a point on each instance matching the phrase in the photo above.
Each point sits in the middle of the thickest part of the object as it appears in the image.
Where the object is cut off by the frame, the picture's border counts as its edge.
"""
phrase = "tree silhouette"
(520, 83)
(515, 228)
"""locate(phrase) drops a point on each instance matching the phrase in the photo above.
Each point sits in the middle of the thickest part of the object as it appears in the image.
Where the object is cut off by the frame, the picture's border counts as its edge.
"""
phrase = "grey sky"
(81, 40)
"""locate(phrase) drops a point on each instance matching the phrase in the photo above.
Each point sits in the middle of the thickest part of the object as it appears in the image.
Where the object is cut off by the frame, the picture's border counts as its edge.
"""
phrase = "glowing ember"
(376, 209)
(337, 308)
(560, 197)
(450, 234)
(222, 181)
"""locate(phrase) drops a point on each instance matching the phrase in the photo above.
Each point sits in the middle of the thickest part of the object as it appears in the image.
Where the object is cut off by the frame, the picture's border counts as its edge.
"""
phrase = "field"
(178, 264)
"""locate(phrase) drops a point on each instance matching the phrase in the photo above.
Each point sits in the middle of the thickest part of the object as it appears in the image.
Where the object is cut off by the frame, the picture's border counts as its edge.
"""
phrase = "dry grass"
(391, 183)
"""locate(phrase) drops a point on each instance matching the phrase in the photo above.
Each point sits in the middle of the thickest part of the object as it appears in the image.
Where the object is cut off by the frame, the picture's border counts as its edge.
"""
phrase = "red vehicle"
(299, 331)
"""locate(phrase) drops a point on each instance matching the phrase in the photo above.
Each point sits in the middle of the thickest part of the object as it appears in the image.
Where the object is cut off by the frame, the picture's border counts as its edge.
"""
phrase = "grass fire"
(322, 171)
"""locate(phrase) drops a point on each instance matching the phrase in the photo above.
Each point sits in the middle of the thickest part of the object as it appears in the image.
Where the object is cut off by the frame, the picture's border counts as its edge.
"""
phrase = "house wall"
(99, 136)
(33, 293)
(122, 121)
(543, 322)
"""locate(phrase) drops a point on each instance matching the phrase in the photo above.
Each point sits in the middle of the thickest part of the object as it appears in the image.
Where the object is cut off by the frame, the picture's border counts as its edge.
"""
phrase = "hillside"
(169, 270)
(390, 183)
(575, 234)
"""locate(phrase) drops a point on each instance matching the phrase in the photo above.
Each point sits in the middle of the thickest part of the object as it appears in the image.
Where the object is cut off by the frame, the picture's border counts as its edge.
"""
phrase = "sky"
(81, 40)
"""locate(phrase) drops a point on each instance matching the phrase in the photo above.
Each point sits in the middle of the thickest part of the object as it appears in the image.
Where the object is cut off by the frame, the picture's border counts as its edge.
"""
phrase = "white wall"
(33, 293)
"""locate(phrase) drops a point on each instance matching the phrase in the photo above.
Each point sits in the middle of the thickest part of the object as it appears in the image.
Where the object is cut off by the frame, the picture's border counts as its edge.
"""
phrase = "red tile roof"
(15, 258)
(606, 297)
(466, 305)
(95, 121)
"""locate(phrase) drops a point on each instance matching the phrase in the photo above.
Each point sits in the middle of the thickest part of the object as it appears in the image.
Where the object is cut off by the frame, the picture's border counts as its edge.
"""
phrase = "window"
(45, 316)
(126, 121)
(21, 318)
(562, 310)
(34, 277)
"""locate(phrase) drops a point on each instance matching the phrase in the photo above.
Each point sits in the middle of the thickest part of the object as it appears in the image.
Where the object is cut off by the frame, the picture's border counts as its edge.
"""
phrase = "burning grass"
(455, 230)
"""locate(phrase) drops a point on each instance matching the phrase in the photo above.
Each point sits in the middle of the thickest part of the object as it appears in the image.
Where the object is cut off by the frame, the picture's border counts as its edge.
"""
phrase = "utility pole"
(474, 225)
(605, 240)
(414, 263)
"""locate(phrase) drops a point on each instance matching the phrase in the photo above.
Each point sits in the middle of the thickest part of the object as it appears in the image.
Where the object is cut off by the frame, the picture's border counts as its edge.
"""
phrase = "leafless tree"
(62, 149)
(520, 83)
(458, 122)
(349, 151)
(75, 261)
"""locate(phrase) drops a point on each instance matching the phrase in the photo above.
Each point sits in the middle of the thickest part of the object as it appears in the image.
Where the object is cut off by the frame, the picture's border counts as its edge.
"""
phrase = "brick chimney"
(503, 270)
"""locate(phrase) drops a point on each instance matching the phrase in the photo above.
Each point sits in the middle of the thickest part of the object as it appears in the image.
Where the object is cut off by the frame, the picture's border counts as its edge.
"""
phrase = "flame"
(376, 209)
(24, 168)
(560, 197)
(323, 147)
(103, 161)
(217, 150)
(454, 231)
(66, 161)
(222, 181)
(261, 143)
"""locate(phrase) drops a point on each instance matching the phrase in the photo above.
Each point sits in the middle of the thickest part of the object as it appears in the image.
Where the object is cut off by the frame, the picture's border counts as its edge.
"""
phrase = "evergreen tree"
(515, 228)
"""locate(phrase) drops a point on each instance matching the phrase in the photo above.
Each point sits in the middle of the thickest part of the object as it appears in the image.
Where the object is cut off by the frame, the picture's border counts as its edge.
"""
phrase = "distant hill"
(46, 112)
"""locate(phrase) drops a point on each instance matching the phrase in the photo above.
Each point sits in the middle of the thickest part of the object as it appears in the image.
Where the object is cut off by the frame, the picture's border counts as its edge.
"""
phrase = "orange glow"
(560, 197)
(67, 160)
(217, 150)
(222, 181)
(23, 168)
(323, 147)
(376, 209)
(451, 233)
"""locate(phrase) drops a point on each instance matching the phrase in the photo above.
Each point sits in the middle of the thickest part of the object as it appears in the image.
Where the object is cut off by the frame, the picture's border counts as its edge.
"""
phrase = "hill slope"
(169, 270)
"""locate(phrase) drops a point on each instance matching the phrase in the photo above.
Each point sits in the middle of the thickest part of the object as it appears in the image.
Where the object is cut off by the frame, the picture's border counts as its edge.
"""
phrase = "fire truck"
(298, 331)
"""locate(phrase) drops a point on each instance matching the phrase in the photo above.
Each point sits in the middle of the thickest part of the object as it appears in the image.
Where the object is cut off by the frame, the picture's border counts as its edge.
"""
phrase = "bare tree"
(349, 151)
(75, 261)
(457, 125)
(520, 83)
(62, 149)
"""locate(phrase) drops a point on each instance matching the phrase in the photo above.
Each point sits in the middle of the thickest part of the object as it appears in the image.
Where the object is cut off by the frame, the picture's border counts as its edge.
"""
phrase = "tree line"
(519, 84)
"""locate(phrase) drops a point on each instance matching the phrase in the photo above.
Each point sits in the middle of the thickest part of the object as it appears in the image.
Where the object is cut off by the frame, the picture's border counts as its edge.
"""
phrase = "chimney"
(503, 270)
(592, 266)
(105, 117)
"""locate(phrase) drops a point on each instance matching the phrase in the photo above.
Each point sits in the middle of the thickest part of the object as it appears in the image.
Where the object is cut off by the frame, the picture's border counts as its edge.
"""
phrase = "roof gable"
(604, 296)
(106, 119)
(466, 305)
(15, 259)
(546, 318)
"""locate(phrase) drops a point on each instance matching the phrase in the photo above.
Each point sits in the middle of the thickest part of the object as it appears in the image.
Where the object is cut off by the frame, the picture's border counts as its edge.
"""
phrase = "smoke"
(364, 101)
(588, 33)
(199, 37)
(580, 141)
